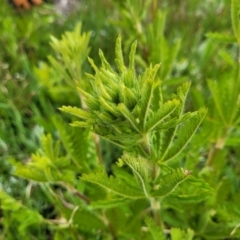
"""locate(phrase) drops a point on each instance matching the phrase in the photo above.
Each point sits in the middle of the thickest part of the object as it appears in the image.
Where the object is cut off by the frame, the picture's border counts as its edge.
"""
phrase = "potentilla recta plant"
(129, 110)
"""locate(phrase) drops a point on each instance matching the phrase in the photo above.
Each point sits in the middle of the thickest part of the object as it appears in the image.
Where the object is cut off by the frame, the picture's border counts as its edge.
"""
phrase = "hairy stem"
(217, 147)
(155, 207)
(145, 144)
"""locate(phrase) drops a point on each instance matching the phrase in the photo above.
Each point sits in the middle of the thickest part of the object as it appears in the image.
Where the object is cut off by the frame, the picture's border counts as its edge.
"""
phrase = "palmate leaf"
(168, 183)
(155, 231)
(113, 185)
(184, 135)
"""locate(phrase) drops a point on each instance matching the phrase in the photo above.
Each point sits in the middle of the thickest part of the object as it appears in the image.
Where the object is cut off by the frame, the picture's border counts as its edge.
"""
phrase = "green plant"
(171, 181)
(151, 132)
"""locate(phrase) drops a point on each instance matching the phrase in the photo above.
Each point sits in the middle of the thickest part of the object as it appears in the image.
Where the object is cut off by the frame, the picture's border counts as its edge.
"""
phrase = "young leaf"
(164, 112)
(128, 115)
(47, 145)
(119, 56)
(148, 87)
(132, 55)
(78, 112)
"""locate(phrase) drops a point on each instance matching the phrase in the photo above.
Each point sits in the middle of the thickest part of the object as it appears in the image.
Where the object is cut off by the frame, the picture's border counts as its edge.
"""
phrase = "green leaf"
(110, 203)
(178, 234)
(140, 169)
(78, 144)
(184, 135)
(132, 56)
(169, 60)
(119, 56)
(167, 136)
(160, 116)
(155, 231)
(148, 87)
(129, 116)
(105, 63)
(168, 183)
(47, 145)
(30, 173)
(221, 37)
(235, 6)
(193, 190)
(113, 185)
(78, 112)
(19, 212)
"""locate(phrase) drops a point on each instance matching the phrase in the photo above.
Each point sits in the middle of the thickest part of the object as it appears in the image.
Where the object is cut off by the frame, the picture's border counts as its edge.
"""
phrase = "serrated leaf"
(119, 56)
(184, 134)
(78, 112)
(197, 191)
(47, 145)
(148, 87)
(129, 116)
(132, 55)
(164, 112)
(169, 182)
(77, 143)
(140, 169)
(113, 185)
(30, 173)
(105, 63)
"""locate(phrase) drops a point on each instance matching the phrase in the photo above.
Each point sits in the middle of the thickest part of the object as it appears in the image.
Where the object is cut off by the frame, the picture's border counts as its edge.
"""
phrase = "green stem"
(155, 207)
(220, 143)
(145, 144)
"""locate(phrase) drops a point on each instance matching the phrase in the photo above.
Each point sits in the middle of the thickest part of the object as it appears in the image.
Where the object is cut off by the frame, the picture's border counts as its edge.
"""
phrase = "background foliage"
(44, 161)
